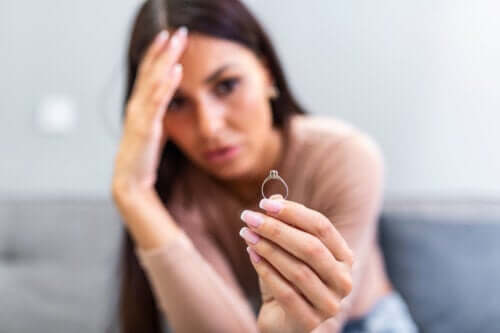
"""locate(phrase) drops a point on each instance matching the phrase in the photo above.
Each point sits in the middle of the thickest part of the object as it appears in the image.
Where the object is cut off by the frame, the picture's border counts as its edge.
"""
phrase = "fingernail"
(271, 205)
(174, 40)
(253, 255)
(251, 218)
(183, 31)
(250, 236)
(177, 68)
(162, 36)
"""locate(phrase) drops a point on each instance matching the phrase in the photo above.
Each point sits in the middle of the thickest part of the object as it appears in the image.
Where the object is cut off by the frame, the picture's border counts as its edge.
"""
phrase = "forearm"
(193, 296)
(191, 293)
(145, 217)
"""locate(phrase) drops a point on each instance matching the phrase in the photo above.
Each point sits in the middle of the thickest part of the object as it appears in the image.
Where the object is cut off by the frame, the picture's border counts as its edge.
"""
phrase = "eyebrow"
(210, 78)
(216, 74)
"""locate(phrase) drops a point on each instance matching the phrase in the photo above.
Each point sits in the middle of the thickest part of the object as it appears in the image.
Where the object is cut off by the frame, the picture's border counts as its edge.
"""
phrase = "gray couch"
(58, 264)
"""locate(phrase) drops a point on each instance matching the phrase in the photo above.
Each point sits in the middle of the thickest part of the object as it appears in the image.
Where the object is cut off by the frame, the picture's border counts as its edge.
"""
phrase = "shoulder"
(333, 142)
(315, 129)
(345, 164)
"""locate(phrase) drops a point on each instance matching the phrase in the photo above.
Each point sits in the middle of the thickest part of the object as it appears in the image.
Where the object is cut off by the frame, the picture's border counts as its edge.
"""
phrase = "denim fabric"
(389, 315)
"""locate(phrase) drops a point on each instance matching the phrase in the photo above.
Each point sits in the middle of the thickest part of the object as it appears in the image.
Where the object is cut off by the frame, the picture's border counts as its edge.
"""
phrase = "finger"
(304, 246)
(287, 297)
(170, 55)
(153, 51)
(149, 121)
(312, 222)
(164, 92)
(296, 272)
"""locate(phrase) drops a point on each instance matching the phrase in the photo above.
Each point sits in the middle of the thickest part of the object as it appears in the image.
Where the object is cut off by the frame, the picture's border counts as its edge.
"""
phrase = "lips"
(221, 153)
(217, 151)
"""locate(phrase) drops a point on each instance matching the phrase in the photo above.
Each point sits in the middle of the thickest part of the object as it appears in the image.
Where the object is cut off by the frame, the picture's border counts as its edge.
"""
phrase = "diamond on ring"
(273, 174)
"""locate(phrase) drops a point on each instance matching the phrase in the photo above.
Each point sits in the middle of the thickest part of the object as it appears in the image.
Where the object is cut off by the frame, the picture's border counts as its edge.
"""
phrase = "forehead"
(204, 54)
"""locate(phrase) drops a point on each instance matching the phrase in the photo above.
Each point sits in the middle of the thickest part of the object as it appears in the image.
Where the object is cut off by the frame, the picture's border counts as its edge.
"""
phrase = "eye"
(225, 87)
(176, 103)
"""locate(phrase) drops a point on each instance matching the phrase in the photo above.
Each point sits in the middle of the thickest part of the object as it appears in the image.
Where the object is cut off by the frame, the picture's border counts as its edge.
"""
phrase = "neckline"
(219, 191)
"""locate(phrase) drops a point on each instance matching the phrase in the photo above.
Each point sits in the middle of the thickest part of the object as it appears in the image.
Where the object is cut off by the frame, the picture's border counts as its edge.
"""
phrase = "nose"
(210, 120)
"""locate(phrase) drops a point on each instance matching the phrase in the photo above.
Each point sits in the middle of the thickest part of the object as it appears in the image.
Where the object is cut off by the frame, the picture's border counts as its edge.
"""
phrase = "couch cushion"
(444, 258)
(57, 265)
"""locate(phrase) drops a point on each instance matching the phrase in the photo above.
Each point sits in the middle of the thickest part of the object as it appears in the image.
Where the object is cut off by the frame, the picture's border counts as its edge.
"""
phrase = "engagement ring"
(273, 174)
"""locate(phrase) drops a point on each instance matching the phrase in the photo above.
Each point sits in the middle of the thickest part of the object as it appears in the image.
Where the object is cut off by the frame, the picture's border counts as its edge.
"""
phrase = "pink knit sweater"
(202, 279)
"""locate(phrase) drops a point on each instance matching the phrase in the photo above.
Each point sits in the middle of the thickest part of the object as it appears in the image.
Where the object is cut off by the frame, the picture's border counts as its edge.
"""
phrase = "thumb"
(266, 296)
(276, 196)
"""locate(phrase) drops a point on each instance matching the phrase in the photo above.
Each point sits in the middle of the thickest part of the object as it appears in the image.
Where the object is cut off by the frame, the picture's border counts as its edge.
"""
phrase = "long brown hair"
(226, 19)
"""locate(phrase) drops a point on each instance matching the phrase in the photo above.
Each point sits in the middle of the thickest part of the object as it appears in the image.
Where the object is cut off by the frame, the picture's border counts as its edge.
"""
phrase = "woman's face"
(220, 115)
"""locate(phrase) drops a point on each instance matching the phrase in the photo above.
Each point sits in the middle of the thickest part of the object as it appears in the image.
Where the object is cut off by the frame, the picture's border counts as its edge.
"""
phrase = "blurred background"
(421, 77)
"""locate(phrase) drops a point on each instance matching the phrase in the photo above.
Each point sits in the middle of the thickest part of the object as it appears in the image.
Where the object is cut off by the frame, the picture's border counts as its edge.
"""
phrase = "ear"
(268, 75)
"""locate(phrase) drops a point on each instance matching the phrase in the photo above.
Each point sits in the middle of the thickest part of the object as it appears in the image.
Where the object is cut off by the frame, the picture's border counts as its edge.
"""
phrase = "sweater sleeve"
(195, 286)
(348, 188)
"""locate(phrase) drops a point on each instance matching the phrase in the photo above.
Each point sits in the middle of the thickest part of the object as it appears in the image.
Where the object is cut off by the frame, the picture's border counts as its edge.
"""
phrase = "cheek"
(179, 131)
(253, 117)
(251, 109)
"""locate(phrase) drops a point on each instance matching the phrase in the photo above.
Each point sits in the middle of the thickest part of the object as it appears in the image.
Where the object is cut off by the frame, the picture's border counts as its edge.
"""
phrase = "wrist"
(145, 216)
(124, 193)
(177, 242)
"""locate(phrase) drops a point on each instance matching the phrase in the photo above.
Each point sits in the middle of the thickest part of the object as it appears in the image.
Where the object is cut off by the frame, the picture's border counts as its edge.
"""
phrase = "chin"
(234, 170)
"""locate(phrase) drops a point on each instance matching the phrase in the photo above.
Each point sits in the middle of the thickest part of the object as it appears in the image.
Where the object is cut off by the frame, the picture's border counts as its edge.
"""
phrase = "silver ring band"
(273, 174)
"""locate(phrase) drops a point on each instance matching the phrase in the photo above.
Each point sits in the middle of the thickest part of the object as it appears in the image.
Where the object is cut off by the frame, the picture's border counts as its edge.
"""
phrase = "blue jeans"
(389, 315)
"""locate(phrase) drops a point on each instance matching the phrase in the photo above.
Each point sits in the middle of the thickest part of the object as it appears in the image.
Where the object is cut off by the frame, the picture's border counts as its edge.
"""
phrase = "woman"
(208, 115)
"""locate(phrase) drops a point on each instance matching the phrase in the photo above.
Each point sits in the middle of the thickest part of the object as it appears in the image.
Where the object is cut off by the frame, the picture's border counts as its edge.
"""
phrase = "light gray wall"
(421, 77)
(69, 48)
